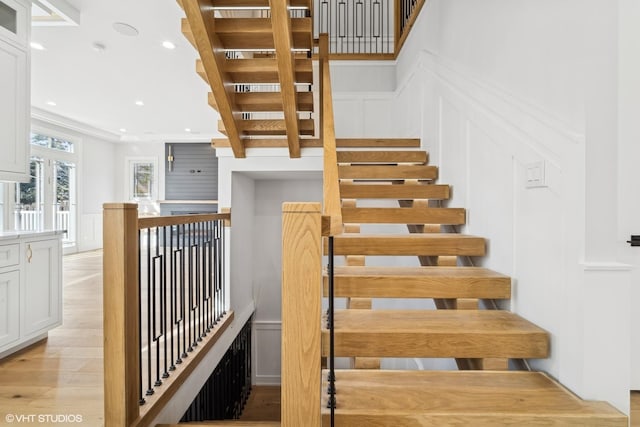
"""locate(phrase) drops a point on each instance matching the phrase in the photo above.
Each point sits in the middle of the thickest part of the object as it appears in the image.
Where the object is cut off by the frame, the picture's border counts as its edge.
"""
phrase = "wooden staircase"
(256, 57)
(241, 49)
(484, 339)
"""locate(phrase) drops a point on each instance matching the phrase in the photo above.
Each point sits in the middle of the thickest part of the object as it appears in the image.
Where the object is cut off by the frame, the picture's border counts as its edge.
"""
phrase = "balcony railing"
(365, 29)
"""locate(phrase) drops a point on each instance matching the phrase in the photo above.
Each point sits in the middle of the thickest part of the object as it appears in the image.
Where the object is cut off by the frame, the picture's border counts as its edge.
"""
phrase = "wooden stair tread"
(269, 127)
(266, 101)
(386, 156)
(253, 4)
(257, 33)
(228, 423)
(387, 172)
(378, 142)
(260, 70)
(409, 244)
(413, 215)
(435, 333)
(398, 192)
(419, 282)
(462, 398)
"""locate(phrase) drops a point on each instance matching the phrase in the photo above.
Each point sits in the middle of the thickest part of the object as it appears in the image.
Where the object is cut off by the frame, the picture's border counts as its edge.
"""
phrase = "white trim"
(263, 378)
(65, 122)
(605, 266)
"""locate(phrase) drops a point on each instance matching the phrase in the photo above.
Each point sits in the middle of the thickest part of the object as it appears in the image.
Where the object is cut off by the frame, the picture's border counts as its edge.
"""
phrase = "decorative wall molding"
(266, 358)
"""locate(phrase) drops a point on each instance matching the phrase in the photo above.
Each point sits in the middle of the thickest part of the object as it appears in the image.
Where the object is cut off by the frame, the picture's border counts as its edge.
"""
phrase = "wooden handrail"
(164, 221)
(330, 182)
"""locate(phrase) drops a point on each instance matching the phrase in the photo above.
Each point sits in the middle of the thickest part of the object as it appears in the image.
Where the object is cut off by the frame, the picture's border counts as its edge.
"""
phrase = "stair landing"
(461, 398)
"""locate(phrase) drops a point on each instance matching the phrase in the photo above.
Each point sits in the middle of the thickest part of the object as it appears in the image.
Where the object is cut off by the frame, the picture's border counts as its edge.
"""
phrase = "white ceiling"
(100, 89)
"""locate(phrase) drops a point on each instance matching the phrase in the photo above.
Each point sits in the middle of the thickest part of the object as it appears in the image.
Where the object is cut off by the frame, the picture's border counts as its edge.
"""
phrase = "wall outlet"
(534, 175)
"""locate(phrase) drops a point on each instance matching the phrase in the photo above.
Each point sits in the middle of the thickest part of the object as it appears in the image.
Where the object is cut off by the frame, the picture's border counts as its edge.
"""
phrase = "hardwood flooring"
(635, 409)
(62, 375)
(263, 404)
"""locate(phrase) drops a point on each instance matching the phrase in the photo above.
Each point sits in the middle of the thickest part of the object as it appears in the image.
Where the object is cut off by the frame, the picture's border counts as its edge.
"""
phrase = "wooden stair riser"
(449, 216)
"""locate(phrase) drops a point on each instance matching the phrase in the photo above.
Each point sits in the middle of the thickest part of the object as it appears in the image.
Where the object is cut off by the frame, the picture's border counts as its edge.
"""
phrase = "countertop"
(15, 235)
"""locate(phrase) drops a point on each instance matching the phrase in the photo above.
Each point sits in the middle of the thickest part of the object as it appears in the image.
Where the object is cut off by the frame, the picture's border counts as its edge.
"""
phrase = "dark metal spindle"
(331, 403)
(172, 297)
(141, 400)
(149, 308)
(165, 374)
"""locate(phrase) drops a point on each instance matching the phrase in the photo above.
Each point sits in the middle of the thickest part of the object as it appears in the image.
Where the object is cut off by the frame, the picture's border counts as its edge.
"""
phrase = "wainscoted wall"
(266, 337)
(487, 140)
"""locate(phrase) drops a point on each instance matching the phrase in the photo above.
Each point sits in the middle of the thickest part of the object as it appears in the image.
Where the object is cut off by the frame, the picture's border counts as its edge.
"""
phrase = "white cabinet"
(40, 301)
(9, 311)
(15, 81)
(30, 288)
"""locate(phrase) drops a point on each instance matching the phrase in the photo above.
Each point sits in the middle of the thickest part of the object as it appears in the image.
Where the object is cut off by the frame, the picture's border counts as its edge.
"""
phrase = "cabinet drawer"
(9, 255)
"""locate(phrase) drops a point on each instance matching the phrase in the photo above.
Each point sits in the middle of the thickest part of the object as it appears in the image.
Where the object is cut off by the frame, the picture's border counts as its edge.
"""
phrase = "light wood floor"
(63, 374)
(263, 404)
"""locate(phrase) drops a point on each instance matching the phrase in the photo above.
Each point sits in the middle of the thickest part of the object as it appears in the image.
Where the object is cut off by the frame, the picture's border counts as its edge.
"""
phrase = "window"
(143, 180)
(48, 199)
(52, 142)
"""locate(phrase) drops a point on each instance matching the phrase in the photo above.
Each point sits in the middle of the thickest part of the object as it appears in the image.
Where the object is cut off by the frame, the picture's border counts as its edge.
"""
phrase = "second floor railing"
(165, 305)
(365, 29)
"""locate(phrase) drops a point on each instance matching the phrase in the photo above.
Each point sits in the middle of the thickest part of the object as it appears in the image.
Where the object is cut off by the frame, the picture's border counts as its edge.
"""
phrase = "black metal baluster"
(165, 374)
(141, 400)
(223, 269)
(183, 291)
(149, 308)
(331, 403)
(172, 297)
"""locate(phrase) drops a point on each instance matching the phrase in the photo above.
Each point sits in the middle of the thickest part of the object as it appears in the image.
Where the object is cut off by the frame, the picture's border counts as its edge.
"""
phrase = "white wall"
(628, 155)
(506, 83)
(491, 87)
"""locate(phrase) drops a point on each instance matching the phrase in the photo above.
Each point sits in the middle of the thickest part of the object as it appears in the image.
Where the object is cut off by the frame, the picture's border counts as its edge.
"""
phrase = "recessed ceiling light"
(53, 104)
(169, 45)
(123, 130)
(139, 103)
(98, 47)
(125, 29)
(36, 46)
(187, 129)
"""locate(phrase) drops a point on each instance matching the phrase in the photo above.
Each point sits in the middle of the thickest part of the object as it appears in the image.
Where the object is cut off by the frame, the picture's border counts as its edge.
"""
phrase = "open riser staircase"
(270, 45)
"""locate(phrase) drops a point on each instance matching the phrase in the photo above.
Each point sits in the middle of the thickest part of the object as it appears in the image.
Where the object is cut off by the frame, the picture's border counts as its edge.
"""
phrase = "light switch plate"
(535, 175)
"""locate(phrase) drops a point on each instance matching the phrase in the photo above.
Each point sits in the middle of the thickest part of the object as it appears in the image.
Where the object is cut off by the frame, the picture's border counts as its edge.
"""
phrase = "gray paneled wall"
(193, 176)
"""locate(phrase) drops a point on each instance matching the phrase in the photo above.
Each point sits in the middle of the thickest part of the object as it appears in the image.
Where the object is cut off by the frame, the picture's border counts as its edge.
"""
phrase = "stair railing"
(165, 306)
(365, 29)
(303, 227)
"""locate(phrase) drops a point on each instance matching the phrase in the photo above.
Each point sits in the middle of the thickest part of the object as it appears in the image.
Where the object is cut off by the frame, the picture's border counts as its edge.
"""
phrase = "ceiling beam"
(201, 21)
(283, 42)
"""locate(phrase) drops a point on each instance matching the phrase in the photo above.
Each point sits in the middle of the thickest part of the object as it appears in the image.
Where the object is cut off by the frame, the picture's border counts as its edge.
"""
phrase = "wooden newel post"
(120, 301)
(301, 314)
